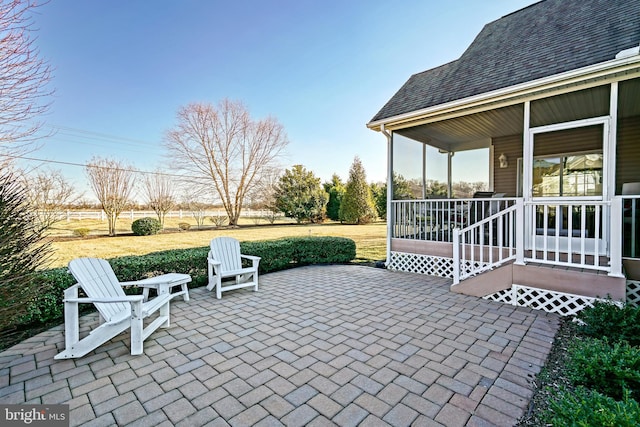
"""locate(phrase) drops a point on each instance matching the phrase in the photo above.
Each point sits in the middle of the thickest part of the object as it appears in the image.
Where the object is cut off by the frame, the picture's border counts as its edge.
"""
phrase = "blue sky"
(322, 68)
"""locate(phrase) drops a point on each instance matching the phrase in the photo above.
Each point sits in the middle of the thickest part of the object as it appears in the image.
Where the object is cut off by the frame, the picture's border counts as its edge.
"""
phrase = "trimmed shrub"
(219, 220)
(607, 369)
(48, 305)
(81, 232)
(297, 251)
(606, 319)
(583, 407)
(184, 226)
(146, 226)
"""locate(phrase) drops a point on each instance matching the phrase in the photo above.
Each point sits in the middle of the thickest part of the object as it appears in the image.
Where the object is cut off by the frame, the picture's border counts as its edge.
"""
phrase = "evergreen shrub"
(583, 407)
(606, 319)
(23, 250)
(607, 368)
(146, 226)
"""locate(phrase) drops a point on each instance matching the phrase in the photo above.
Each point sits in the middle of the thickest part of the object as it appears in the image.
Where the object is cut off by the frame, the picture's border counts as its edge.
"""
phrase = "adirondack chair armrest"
(255, 260)
(213, 262)
(128, 298)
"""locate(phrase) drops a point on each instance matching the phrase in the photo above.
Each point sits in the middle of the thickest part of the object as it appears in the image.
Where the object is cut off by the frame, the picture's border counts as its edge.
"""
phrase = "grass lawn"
(370, 239)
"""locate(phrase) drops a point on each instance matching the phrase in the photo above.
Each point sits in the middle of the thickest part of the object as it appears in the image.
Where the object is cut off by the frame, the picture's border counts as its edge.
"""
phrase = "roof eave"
(527, 89)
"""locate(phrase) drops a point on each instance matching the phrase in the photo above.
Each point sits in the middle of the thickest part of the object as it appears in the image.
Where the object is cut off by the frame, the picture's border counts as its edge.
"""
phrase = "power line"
(85, 143)
(102, 136)
(84, 165)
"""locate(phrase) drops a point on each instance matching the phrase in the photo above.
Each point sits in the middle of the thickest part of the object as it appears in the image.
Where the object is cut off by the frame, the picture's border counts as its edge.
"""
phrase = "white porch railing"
(569, 233)
(631, 226)
(485, 233)
(435, 219)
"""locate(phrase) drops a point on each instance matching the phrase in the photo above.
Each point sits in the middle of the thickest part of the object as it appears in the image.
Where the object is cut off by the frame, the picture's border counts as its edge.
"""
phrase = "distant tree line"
(295, 192)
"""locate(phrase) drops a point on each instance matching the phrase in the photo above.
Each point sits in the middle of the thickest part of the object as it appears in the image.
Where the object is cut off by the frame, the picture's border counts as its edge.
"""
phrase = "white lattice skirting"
(542, 299)
(423, 264)
(429, 264)
(539, 299)
(633, 292)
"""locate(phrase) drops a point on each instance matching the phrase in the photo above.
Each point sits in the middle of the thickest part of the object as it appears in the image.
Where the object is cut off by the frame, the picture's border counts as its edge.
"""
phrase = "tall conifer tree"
(357, 205)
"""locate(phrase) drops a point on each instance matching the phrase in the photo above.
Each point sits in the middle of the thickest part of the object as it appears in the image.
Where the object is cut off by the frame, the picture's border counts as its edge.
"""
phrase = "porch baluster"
(596, 250)
(583, 231)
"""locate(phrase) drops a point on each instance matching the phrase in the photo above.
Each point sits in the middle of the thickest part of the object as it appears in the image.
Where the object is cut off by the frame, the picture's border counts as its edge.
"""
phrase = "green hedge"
(607, 368)
(296, 251)
(585, 408)
(276, 255)
(605, 319)
(603, 368)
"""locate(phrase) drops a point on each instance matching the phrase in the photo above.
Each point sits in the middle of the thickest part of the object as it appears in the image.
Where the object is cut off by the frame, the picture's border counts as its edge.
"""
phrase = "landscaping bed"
(592, 374)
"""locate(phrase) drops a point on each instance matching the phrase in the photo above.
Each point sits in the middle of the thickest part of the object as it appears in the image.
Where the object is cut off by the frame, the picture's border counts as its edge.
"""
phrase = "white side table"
(164, 283)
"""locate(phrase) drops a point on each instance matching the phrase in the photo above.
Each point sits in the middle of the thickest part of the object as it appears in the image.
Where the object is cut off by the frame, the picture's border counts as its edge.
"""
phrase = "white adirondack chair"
(225, 260)
(119, 311)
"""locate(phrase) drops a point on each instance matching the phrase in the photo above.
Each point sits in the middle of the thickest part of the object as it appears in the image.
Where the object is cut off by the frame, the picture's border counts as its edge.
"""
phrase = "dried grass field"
(370, 239)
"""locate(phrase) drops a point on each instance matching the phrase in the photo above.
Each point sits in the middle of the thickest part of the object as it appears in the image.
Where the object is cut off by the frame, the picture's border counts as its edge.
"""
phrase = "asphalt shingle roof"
(544, 39)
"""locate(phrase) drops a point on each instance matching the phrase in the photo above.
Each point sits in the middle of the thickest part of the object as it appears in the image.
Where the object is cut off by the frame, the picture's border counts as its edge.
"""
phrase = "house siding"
(628, 152)
(506, 180)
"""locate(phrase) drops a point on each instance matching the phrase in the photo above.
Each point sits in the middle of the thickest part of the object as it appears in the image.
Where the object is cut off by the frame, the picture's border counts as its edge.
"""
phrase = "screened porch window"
(568, 175)
(423, 171)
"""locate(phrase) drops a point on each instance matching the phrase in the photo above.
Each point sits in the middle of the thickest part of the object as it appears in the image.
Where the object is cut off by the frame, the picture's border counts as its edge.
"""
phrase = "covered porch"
(547, 176)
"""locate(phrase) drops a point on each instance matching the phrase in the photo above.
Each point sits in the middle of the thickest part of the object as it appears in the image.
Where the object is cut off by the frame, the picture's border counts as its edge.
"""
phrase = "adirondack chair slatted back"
(227, 251)
(97, 279)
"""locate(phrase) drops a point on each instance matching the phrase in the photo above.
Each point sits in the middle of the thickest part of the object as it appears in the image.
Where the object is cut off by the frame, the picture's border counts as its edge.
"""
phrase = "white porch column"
(424, 170)
(615, 241)
(519, 232)
(609, 165)
(389, 190)
(527, 166)
(449, 184)
(610, 159)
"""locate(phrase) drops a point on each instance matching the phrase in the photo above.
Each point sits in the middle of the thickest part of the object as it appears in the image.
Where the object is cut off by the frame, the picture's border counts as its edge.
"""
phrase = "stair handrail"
(460, 245)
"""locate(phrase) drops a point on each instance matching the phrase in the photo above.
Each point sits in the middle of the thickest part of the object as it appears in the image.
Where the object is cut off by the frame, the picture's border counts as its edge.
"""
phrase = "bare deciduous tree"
(112, 182)
(225, 147)
(49, 194)
(263, 195)
(23, 78)
(160, 194)
(196, 206)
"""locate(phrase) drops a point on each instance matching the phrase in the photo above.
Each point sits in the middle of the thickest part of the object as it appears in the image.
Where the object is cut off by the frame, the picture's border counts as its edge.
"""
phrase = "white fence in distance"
(135, 214)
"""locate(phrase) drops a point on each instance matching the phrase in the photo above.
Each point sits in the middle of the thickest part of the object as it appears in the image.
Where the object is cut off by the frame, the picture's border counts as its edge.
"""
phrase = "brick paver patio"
(316, 346)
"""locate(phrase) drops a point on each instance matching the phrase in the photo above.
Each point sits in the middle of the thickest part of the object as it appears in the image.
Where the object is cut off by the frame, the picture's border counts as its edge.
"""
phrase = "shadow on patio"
(319, 345)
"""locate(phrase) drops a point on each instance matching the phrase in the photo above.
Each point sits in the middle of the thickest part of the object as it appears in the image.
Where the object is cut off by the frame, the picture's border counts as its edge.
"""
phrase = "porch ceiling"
(476, 130)
(469, 132)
